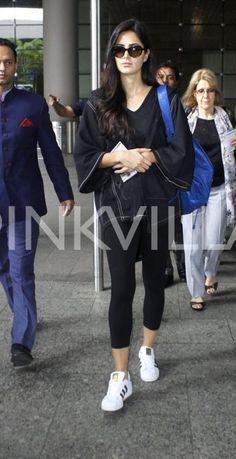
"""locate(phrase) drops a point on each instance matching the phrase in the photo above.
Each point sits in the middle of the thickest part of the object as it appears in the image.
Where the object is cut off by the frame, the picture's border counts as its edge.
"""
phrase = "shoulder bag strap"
(163, 99)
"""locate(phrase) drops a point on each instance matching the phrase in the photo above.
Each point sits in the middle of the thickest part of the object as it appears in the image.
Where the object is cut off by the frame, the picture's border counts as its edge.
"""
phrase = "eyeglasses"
(133, 50)
(202, 91)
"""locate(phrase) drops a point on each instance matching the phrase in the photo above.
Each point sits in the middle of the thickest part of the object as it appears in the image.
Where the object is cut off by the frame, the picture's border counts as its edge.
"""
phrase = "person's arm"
(60, 109)
(122, 161)
(176, 159)
(90, 146)
(54, 161)
(78, 106)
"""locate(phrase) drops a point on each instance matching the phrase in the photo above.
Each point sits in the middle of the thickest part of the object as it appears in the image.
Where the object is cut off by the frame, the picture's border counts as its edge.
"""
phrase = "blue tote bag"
(200, 189)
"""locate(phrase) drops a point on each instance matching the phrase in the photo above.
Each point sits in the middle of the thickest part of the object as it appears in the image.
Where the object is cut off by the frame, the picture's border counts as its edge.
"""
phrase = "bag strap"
(163, 99)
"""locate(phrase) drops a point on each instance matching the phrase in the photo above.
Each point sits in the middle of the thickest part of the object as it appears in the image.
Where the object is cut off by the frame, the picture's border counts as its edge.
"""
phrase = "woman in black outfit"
(133, 212)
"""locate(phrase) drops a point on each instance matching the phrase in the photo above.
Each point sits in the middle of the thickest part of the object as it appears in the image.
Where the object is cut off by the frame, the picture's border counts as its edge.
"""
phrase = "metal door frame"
(95, 71)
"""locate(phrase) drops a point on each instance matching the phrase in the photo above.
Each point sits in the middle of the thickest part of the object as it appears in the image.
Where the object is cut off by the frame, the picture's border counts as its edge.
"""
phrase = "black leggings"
(122, 270)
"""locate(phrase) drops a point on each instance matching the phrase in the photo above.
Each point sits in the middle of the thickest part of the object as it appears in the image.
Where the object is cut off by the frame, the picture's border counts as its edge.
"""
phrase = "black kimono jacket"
(156, 187)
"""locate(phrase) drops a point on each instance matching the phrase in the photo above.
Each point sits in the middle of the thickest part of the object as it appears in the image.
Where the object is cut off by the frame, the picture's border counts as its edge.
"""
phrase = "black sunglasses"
(133, 50)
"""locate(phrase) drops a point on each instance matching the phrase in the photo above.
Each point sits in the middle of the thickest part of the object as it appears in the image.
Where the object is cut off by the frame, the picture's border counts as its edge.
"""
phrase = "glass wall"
(22, 22)
(193, 33)
(84, 48)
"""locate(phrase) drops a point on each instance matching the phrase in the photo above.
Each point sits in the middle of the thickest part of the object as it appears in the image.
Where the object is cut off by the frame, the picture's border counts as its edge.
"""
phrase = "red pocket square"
(26, 123)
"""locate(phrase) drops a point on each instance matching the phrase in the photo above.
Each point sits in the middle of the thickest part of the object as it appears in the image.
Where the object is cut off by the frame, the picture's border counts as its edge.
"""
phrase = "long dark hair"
(112, 117)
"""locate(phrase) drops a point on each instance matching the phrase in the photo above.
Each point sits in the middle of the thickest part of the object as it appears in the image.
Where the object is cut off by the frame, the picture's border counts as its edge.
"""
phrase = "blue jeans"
(17, 254)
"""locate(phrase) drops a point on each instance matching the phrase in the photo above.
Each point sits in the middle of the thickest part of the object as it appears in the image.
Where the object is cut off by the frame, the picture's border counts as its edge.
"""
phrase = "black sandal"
(199, 303)
(211, 287)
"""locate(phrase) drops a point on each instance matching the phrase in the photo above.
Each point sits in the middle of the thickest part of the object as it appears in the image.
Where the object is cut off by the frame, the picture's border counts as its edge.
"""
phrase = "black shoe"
(169, 277)
(20, 356)
(181, 271)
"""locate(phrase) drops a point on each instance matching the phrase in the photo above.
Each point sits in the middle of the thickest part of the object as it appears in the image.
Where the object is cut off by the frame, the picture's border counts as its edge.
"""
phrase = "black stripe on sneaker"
(124, 391)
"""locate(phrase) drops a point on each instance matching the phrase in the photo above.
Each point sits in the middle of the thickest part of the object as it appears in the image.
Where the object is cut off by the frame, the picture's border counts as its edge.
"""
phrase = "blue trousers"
(18, 243)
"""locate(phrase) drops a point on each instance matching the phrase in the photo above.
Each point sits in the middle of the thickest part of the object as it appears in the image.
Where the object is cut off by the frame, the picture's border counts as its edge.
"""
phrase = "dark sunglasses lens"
(118, 51)
(135, 51)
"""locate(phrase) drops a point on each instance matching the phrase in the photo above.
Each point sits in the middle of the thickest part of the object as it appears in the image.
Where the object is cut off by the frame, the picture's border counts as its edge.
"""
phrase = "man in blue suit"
(24, 122)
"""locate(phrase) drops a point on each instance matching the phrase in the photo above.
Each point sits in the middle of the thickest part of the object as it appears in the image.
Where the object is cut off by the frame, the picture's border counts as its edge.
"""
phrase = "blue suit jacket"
(24, 123)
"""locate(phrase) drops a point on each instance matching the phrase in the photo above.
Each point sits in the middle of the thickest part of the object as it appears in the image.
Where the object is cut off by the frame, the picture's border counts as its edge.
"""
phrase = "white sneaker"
(149, 370)
(119, 389)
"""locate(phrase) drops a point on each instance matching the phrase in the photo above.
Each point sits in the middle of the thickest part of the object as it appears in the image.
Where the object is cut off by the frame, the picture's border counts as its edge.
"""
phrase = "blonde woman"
(204, 229)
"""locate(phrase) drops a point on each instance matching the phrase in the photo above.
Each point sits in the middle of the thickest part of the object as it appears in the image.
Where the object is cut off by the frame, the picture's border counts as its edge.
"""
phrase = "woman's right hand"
(132, 160)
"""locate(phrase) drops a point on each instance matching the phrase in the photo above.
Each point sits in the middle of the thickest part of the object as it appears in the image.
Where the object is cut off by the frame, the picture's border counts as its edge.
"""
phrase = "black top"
(141, 119)
(208, 137)
(158, 185)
